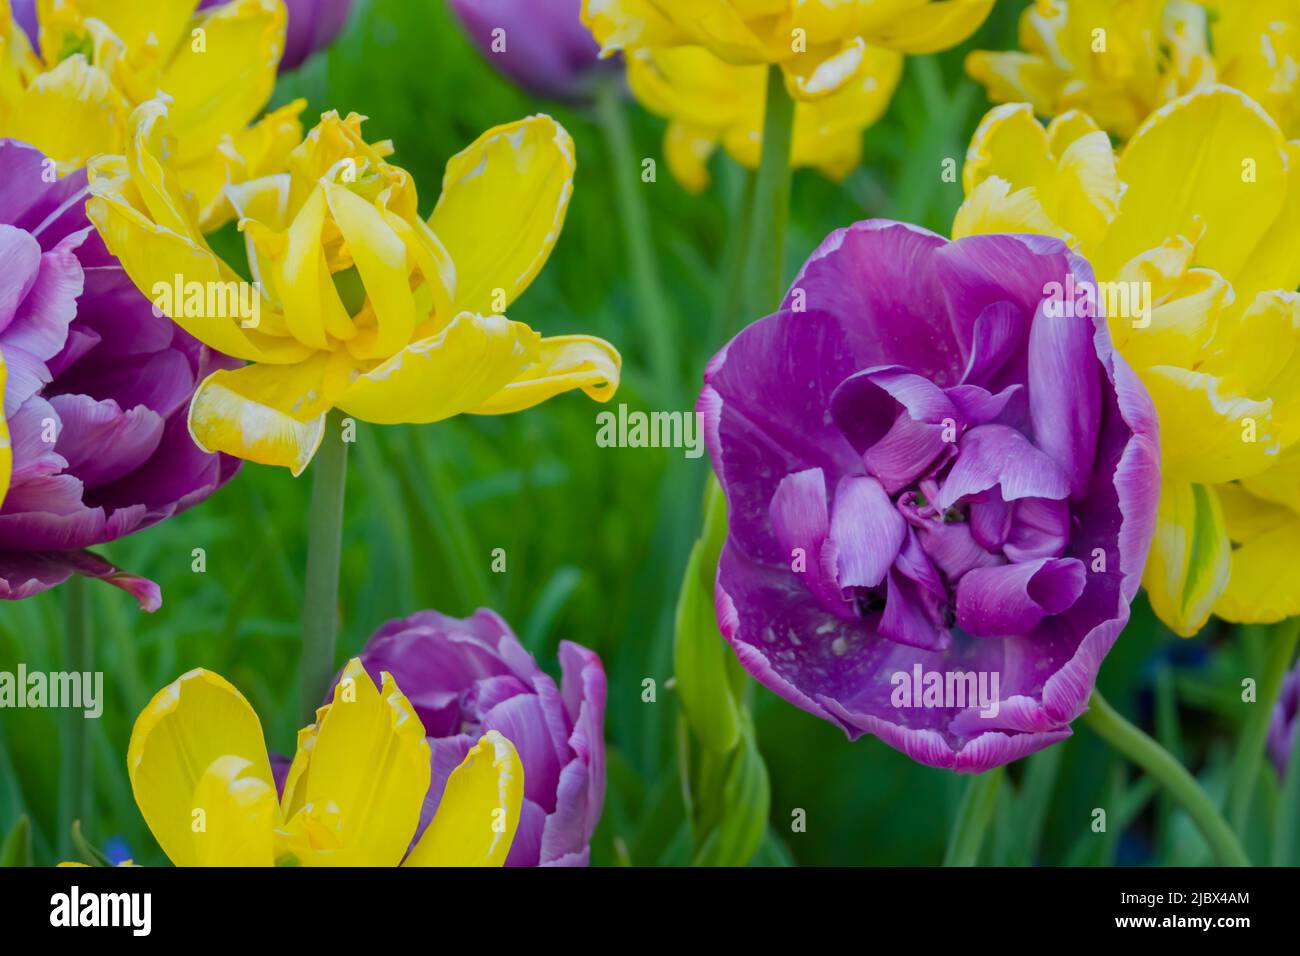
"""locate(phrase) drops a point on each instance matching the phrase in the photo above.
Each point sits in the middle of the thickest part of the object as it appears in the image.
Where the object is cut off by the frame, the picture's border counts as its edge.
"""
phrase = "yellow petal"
(233, 818)
(457, 370)
(565, 362)
(70, 113)
(311, 301)
(190, 724)
(502, 208)
(1180, 326)
(993, 207)
(1208, 434)
(1264, 586)
(1187, 568)
(479, 811)
(931, 27)
(687, 150)
(628, 24)
(369, 774)
(159, 22)
(272, 414)
(220, 84)
(380, 257)
(1212, 160)
(1010, 144)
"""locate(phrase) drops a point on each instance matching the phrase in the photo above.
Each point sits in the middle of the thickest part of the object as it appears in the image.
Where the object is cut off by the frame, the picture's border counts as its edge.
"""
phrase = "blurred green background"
(596, 539)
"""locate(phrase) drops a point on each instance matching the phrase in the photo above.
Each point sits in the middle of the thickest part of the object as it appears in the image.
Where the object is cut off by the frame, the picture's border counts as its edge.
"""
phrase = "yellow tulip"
(97, 59)
(1191, 230)
(820, 45)
(708, 101)
(365, 306)
(202, 779)
(1120, 60)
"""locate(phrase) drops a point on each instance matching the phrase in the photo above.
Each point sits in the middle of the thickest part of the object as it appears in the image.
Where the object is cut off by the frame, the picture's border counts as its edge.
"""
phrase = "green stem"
(766, 254)
(731, 300)
(320, 603)
(1157, 762)
(76, 797)
(1250, 749)
(973, 818)
(643, 263)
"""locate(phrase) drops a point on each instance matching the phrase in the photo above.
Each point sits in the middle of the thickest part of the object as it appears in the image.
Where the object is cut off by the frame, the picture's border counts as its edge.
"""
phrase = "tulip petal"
(1264, 581)
(931, 27)
(479, 812)
(238, 815)
(70, 113)
(1188, 566)
(6, 450)
(220, 84)
(272, 414)
(502, 207)
(190, 724)
(460, 369)
(565, 362)
(369, 770)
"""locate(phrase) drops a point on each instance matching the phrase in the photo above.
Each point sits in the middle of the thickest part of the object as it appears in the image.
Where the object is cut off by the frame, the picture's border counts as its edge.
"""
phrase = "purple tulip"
(1282, 729)
(539, 44)
(465, 677)
(97, 392)
(313, 25)
(941, 481)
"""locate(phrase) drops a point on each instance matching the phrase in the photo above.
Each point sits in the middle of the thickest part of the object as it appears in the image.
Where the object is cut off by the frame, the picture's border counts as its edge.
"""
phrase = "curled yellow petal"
(479, 811)
(564, 362)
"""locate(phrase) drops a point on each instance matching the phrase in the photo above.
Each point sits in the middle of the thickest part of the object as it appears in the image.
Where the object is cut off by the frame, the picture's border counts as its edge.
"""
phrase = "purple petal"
(1014, 598)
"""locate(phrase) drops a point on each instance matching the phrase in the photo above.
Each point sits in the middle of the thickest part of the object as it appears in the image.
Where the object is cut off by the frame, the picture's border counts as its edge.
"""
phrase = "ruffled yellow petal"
(220, 84)
(993, 207)
(199, 739)
(1230, 164)
(687, 150)
(160, 23)
(70, 113)
(457, 370)
(565, 362)
(1187, 568)
(272, 414)
(369, 771)
(1181, 326)
(1208, 434)
(502, 207)
(479, 811)
(628, 24)
(1264, 586)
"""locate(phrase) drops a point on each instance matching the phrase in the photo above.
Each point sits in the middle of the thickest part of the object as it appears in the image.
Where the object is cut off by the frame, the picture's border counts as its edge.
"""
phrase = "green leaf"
(86, 851)
(17, 847)
(699, 651)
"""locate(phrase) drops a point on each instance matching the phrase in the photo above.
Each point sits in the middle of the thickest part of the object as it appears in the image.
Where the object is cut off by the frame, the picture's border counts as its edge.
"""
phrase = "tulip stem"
(76, 797)
(1250, 749)
(656, 317)
(766, 254)
(1161, 766)
(320, 605)
(973, 818)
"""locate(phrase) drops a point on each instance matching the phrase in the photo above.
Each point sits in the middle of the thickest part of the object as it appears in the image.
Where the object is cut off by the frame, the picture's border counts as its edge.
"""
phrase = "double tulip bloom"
(931, 474)
(98, 385)
(365, 306)
(704, 68)
(1199, 271)
(1120, 62)
(71, 93)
